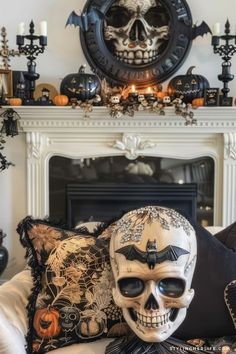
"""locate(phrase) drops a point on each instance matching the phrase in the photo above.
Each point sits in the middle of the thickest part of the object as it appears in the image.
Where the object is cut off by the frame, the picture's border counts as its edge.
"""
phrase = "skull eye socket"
(156, 16)
(131, 287)
(72, 316)
(172, 287)
(117, 16)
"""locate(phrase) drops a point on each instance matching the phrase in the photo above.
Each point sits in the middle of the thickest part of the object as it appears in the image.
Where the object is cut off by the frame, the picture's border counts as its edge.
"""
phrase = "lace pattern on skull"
(132, 225)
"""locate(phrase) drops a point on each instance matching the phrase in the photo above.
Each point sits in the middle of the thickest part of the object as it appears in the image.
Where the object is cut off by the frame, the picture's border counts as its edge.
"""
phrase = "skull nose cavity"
(151, 303)
(137, 32)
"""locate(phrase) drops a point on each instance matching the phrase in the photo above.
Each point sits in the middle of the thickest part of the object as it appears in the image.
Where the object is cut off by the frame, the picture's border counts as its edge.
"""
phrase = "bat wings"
(86, 18)
(152, 256)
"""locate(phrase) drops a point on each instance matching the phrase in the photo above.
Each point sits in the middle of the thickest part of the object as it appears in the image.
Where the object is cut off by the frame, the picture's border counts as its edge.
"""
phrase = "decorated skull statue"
(153, 256)
(137, 29)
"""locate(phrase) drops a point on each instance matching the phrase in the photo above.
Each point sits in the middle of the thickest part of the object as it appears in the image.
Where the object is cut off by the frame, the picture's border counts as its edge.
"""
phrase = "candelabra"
(31, 51)
(5, 52)
(226, 51)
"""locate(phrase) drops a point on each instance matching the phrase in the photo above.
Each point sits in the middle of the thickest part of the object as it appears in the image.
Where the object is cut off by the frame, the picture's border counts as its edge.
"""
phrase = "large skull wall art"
(137, 30)
(153, 255)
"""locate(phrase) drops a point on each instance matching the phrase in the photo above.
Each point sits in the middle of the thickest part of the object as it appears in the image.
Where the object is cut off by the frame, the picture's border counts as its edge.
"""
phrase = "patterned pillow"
(71, 300)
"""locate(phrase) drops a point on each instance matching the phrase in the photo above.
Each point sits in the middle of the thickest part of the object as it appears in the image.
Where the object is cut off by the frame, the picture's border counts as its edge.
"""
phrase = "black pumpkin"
(189, 86)
(80, 85)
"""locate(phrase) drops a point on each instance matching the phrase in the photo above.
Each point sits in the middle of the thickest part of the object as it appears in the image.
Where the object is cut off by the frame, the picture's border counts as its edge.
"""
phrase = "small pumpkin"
(80, 85)
(60, 100)
(46, 322)
(198, 102)
(15, 101)
(90, 327)
(189, 86)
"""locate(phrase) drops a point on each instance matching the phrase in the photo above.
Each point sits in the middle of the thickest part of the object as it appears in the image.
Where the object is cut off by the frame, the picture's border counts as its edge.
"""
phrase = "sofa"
(13, 317)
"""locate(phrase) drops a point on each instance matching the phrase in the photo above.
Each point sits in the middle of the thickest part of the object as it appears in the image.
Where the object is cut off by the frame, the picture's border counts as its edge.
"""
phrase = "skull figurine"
(153, 255)
(115, 99)
(137, 29)
(69, 318)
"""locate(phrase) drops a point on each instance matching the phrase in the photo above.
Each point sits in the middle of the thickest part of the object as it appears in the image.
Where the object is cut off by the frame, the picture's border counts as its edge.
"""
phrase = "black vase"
(3, 254)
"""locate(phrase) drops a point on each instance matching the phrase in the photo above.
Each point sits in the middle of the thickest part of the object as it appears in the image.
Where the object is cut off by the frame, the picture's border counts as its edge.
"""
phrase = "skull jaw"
(155, 333)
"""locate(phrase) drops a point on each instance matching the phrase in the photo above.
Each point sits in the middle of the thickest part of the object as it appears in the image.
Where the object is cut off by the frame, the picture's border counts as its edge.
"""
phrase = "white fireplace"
(64, 131)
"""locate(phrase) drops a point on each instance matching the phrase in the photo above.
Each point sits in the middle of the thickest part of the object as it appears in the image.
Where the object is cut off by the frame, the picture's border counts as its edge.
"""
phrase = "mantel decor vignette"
(64, 132)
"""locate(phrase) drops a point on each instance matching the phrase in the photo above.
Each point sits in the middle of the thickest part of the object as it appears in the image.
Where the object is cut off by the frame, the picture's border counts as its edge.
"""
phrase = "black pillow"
(208, 315)
(228, 236)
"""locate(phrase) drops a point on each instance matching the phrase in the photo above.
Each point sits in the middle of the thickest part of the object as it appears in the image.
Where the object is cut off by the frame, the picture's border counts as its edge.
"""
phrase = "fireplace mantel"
(67, 132)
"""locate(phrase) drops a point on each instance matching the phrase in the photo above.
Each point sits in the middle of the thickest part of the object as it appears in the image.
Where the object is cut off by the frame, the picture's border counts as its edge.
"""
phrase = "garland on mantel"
(125, 108)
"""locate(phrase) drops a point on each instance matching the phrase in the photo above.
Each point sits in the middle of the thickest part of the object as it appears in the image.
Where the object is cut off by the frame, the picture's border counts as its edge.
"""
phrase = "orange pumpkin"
(198, 102)
(46, 322)
(15, 101)
(60, 100)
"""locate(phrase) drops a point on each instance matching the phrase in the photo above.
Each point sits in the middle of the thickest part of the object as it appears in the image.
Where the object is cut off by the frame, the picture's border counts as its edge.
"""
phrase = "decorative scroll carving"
(230, 146)
(132, 144)
(34, 145)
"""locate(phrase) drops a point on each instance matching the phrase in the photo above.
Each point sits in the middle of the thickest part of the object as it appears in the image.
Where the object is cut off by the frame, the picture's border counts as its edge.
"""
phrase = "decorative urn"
(81, 85)
(3, 253)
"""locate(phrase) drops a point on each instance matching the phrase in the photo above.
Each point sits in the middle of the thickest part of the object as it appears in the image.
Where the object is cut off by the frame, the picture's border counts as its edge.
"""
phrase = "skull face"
(137, 30)
(115, 99)
(69, 318)
(153, 255)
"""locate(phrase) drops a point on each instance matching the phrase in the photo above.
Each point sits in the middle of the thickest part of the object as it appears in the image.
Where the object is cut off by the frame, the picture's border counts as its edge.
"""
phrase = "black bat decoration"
(152, 256)
(85, 19)
(200, 30)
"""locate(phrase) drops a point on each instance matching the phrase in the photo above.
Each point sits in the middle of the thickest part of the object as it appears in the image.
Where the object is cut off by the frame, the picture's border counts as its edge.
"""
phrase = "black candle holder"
(31, 51)
(226, 51)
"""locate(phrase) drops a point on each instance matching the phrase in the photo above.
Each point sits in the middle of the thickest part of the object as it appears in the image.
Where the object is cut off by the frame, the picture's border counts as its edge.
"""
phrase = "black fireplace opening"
(104, 202)
(103, 188)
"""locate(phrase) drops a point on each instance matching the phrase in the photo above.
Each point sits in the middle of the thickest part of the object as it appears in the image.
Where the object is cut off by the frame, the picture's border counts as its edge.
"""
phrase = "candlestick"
(226, 51)
(31, 51)
(5, 52)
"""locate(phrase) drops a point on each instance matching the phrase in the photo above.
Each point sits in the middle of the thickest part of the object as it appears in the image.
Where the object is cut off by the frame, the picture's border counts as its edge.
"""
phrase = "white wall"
(63, 56)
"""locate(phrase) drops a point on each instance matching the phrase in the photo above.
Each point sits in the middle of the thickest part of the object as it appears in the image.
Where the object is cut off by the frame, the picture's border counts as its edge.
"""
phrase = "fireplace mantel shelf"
(48, 118)
(64, 131)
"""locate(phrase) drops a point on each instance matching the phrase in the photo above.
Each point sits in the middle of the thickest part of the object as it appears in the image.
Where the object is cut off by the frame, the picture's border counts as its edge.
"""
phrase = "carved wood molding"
(132, 145)
(230, 146)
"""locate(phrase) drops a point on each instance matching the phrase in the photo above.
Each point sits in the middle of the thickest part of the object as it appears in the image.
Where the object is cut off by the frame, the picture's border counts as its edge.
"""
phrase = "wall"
(63, 56)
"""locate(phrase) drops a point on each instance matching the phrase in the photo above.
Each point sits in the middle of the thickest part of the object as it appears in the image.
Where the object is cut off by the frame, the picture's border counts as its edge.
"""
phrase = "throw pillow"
(228, 236)
(71, 300)
(208, 314)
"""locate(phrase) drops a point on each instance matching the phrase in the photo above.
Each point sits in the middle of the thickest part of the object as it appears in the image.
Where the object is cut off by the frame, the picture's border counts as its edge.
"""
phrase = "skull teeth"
(137, 57)
(152, 321)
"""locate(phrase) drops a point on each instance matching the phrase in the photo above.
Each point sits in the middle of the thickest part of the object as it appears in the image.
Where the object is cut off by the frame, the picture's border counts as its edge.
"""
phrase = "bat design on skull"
(152, 256)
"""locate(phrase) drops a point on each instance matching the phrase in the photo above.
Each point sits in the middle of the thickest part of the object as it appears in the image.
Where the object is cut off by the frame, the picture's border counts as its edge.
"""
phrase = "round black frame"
(117, 73)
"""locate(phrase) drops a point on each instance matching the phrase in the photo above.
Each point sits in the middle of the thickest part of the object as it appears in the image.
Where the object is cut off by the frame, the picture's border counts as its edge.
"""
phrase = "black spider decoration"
(9, 128)
(10, 122)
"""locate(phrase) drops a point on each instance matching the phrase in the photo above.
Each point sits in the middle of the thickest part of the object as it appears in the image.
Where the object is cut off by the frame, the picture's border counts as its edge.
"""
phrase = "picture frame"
(211, 96)
(226, 101)
(6, 86)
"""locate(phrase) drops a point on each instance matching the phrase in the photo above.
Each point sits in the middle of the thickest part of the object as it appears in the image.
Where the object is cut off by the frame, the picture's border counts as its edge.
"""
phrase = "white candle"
(132, 88)
(43, 28)
(21, 29)
(216, 29)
